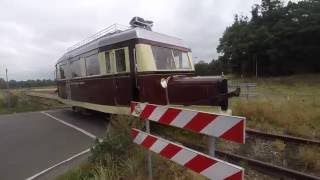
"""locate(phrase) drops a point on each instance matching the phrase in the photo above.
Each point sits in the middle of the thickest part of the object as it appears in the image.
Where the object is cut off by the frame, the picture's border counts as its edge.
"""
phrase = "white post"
(149, 162)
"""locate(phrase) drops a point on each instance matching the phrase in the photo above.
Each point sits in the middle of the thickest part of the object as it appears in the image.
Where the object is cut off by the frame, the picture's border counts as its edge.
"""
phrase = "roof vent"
(140, 22)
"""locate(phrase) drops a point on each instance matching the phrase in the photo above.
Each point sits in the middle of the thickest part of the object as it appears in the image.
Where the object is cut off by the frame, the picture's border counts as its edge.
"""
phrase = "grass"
(289, 105)
(283, 105)
(19, 102)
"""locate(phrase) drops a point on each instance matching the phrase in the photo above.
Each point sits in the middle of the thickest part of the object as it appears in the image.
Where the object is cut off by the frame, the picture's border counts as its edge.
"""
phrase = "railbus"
(115, 66)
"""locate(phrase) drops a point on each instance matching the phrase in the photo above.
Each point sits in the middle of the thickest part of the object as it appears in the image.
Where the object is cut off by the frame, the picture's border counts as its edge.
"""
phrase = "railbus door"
(68, 89)
(122, 81)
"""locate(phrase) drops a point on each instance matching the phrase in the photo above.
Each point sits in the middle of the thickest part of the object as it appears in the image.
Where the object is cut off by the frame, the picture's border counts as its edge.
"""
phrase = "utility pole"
(7, 79)
(8, 92)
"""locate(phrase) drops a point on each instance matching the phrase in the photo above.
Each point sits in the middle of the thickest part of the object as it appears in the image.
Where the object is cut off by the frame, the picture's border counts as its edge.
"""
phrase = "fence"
(227, 127)
(247, 89)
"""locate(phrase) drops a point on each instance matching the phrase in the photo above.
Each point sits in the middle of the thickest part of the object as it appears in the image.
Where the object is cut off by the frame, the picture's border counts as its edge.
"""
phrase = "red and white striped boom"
(208, 166)
(218, 125)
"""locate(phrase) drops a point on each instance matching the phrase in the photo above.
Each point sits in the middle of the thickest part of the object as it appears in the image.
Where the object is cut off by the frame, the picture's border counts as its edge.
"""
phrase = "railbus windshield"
(156, 58)
(170, 59)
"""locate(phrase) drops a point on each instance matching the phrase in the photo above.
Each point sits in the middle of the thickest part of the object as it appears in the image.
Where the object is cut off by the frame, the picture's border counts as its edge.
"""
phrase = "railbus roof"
(120, 36)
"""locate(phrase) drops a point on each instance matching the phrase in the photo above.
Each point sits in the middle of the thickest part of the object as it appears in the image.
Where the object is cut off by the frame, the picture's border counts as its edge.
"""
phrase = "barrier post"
(212, 146)
(149, 162)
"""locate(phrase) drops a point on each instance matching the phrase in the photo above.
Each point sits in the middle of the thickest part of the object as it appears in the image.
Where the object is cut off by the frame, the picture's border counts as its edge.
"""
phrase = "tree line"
(26, 84)
(279, 39)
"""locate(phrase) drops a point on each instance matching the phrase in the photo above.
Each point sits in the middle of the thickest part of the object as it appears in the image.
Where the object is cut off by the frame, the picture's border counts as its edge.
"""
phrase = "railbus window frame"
(82, 67)
(126, 60)
(58, 71)
(87, 60)
(109, 69)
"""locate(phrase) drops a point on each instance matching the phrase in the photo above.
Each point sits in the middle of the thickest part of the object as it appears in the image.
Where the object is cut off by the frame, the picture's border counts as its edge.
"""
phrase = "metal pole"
(7, 79)
(149, 162)
(8, 93)
(212, 146)
(167, 95)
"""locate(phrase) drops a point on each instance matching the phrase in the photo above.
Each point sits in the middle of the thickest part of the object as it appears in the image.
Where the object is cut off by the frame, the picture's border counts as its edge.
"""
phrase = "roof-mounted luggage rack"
(142, 23)
(113, 29)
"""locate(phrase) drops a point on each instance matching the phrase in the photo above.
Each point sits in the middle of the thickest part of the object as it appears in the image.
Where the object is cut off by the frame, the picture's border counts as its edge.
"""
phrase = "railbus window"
(75, 67)
(108, 62)
(181, 60)
(62, 71)
(92, 65)
(120, 60)
(170, 59)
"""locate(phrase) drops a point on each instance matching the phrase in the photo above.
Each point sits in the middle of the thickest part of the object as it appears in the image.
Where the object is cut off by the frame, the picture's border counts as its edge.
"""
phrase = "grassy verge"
(118, 158)
(19, 102)
(289, 105)
(284, 105)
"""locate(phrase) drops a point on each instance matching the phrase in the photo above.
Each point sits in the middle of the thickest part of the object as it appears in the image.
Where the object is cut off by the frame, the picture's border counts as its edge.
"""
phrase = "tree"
(2, 83)
(26, 84)
(201, 68)
(283, 39)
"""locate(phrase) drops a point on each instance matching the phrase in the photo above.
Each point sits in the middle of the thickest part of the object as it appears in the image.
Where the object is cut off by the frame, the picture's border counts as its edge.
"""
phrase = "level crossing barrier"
(217, 125)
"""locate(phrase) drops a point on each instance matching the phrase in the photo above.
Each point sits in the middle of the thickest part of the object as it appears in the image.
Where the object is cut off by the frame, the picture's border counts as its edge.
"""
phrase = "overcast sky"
(34, 34)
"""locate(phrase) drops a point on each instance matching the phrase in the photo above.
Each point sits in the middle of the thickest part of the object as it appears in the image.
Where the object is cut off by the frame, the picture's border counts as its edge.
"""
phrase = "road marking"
(70, 125)
(58, 164)
(72, 157)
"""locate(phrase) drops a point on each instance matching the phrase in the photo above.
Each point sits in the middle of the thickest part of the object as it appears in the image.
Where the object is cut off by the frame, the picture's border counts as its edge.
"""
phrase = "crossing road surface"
(32, 142)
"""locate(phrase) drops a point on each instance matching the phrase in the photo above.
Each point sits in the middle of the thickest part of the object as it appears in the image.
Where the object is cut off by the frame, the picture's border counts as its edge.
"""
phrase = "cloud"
(34, 34)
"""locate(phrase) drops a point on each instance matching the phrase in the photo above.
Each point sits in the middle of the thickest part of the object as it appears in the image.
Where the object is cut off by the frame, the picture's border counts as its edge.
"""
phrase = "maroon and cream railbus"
(109, 70)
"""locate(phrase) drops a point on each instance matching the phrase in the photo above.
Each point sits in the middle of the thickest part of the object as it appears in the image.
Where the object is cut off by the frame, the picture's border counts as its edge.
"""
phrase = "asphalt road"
(32, 142)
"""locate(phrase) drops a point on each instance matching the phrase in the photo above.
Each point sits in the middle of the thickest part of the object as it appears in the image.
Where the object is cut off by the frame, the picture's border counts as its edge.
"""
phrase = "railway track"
(261, 166)
(286, 138)
(266, 168)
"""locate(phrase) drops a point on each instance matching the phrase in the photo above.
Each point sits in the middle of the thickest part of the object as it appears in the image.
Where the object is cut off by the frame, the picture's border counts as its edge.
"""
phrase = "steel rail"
(287, 138)
(273, 169)
(260, 166)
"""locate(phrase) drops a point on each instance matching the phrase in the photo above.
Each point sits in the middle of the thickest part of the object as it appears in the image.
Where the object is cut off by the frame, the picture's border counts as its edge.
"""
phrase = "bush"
(116, 157)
